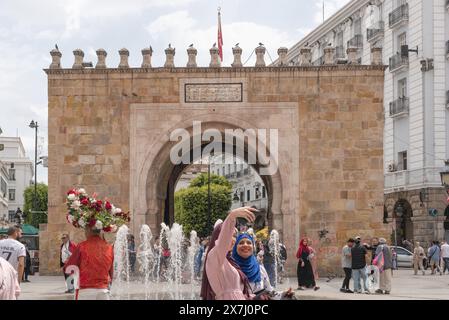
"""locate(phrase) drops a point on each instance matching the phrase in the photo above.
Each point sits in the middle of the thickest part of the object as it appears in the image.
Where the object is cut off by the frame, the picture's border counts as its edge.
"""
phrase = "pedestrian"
(66, 250)
(384, 262)
(269, 261)
(313, 259)
(306, 278)
(372, 247)
(132, 254)
(407, 245)
(418, 258)
(445, 256)
(282, 261)
(27, 270)
(434, 255)
(13, 251)
(95, 259)
(223, 279)
(358, 266)
(346, 264)
(9, 281)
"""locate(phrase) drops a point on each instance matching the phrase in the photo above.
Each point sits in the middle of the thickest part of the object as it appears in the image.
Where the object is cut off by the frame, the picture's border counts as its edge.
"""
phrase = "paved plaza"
(405, 286)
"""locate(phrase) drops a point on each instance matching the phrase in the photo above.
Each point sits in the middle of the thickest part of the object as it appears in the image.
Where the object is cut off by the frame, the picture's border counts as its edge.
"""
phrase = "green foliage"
(41, 205)
(201, 180)
(191, 204)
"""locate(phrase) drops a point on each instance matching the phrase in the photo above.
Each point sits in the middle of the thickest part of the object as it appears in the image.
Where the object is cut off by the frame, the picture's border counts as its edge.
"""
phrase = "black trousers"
(348, 274)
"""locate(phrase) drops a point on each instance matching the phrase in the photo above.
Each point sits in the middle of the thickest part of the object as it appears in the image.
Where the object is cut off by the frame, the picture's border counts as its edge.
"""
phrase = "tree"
(41, 205)
(191, 203)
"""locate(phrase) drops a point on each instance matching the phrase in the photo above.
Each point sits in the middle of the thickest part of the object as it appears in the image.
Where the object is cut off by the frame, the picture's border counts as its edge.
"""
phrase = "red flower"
(72, 191)
(108, 206)
(92, 222)
(99, 202)
(107, 229)
(85, 202)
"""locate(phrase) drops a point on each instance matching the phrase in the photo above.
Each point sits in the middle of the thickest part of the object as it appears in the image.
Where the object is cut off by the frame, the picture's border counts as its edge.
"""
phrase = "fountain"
(121, 263)
(175, 241)
(273, 244)
(191, 252)
(145, 257)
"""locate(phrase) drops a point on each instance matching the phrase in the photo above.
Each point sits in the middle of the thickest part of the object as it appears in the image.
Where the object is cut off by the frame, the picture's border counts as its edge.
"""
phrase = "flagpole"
(220, 36)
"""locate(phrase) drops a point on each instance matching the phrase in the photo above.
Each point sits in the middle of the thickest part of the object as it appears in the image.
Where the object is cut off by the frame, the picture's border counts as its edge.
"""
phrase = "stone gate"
(109, 131)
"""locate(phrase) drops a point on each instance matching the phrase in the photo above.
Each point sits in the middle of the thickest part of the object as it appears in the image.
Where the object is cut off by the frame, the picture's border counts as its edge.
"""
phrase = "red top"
(95, 259)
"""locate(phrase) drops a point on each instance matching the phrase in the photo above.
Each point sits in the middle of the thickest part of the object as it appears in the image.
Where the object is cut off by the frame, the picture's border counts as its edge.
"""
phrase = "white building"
(416, 99)
(3, 191)
(19, 170)
(248, 188)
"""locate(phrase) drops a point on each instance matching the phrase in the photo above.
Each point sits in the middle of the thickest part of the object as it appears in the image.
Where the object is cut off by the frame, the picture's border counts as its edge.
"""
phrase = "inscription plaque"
(213, 92)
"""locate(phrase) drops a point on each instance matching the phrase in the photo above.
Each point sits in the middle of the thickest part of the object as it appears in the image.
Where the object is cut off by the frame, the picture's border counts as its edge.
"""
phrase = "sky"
(29, 30)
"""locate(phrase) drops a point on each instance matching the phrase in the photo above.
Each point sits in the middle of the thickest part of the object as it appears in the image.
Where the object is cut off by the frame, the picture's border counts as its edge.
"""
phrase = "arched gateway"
(109, 131)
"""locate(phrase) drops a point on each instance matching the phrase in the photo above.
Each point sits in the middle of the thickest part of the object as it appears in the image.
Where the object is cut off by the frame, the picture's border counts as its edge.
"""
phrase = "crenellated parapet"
(305, 58)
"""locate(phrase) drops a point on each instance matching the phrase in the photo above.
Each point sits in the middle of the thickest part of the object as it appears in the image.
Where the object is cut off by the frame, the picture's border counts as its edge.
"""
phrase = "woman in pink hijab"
(222, 277)
(9, 281)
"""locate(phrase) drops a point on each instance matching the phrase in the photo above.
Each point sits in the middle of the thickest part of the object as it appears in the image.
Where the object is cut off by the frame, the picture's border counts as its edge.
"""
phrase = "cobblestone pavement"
(405, 286)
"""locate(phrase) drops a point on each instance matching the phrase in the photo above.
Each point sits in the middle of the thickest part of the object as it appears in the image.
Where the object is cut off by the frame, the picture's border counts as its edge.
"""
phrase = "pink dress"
(224, 279)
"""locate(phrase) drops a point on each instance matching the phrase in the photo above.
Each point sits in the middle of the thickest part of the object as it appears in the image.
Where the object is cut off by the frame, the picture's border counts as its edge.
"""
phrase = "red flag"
(220, 37)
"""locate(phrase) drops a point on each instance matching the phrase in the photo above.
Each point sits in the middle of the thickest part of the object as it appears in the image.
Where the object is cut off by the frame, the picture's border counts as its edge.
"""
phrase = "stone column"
(260, 54)
(124, 55)
(305, 57)
(329, 55)
(282, 52)
(352, 55)
(237, 52)
(56, 59)
(79, 56)
(192, 52)
(169, 57)
(101, 54)
(376, 56)
(214, 58)
(147, 53)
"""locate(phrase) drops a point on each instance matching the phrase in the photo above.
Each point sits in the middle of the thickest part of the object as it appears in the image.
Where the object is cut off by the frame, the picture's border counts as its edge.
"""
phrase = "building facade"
(3, 192)
(19, 172)
(248, 188)
(414, 36)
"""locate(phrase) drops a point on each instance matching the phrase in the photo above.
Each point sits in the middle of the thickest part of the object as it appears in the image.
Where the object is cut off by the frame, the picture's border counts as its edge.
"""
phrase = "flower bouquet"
(89, 212)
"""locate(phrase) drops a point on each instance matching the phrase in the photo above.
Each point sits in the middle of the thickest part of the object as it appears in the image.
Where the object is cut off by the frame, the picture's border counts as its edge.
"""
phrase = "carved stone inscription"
(206, 92)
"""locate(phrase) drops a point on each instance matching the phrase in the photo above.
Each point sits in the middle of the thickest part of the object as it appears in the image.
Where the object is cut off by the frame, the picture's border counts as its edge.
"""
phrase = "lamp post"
(34, 125)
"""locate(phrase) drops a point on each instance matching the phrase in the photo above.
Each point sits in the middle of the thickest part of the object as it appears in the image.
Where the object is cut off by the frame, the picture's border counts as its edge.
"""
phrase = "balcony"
(376, 32)
(340, 52)
(399, 107)
(356, 41)
(398, 62)
(398, 16)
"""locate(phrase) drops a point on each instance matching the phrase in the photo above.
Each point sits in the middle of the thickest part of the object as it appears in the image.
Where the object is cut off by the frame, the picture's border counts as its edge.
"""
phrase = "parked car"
(404, 257)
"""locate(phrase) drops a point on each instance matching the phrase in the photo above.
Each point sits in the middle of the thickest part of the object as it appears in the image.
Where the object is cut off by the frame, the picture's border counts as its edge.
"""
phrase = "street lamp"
(445, 176)
(34, 125)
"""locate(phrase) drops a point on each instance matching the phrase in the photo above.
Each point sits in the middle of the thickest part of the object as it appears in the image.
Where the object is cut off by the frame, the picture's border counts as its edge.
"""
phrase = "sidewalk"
(405, 286)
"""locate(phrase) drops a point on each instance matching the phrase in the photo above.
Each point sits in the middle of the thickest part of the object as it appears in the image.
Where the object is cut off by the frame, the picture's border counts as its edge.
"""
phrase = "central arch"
(157, 170)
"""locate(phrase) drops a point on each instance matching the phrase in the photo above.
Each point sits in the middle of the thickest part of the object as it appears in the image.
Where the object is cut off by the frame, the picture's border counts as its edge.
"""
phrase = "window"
(242, 195)
(229, 169)
(12, 194)
(257, 193)
(218, 172)
(402, 88)
(401, 2)
(402, 40)
(402, 161)
(263, 192)
(11, 215)
(340, 38)
(3, 187)
(12, 174)
(358, 26)
(248, 195)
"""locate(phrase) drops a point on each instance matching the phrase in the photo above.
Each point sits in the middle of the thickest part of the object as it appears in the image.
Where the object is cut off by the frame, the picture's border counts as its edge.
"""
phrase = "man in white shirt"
(13, 251)
(445, 256)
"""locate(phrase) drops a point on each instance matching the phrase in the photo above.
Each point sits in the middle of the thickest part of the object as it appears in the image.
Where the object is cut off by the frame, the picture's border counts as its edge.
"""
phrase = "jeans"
(446, 264)
(348, 272)
(356, 275)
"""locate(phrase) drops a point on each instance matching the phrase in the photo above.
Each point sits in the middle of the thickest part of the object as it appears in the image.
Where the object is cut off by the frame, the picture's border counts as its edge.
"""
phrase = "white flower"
(117, 210)
(70, 218)
(99, 225)
(82, 191)
(71, 197)
(82, 223)
(76, 205)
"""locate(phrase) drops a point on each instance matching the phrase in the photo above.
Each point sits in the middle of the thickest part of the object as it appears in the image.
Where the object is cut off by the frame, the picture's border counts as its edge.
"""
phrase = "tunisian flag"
(220, 37)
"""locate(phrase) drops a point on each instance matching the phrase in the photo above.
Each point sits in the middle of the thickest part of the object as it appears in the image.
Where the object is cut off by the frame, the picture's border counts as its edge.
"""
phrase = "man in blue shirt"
(434, 257)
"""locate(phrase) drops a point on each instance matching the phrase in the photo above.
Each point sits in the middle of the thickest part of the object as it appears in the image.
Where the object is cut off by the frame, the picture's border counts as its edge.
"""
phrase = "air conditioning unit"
(391, 167)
